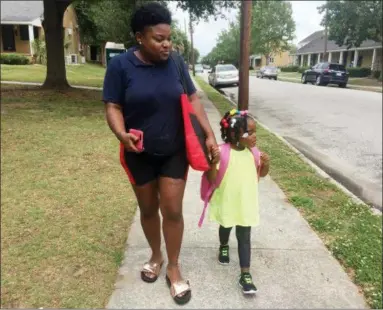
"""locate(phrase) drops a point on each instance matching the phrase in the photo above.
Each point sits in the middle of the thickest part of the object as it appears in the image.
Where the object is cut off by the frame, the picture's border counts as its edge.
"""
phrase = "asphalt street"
(338, 129)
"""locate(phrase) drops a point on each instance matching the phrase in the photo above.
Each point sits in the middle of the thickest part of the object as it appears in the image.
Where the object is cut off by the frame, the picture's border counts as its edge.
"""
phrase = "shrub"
(359, 72)
(14, 59)
(40, 52)
(376, 74)
(303, 69)
(290, 69)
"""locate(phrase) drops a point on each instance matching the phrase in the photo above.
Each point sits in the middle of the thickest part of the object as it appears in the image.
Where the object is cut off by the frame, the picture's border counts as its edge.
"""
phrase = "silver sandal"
(154, 269)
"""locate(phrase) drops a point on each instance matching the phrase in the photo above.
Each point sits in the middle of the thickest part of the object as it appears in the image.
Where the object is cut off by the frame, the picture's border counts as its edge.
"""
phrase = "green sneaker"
(223, 255)
(246, 282)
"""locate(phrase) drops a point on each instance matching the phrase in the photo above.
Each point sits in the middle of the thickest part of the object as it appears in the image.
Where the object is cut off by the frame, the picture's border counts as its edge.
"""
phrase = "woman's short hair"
(150, 14)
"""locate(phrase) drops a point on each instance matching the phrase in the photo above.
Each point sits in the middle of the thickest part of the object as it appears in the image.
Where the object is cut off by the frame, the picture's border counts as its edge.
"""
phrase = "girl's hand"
(265, 159)
(265, 165)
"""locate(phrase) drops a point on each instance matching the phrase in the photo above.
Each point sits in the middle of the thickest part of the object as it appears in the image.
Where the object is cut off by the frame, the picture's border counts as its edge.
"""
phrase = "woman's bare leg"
(171, 196)
(148, 201)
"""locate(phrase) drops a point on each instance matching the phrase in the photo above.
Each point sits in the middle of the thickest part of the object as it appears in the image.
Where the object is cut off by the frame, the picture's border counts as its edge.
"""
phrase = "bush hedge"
(14, 59)
(359, 72)
(376, 74)
(303, 69)
(290, 69)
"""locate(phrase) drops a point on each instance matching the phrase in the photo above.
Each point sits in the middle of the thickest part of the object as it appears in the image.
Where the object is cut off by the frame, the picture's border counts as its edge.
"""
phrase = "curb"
(320, 171)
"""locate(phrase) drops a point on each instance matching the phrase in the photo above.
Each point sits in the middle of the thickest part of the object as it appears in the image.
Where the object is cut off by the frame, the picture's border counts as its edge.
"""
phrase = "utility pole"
(325, 34)
(186, 29)
(243, 89)
(192, 60)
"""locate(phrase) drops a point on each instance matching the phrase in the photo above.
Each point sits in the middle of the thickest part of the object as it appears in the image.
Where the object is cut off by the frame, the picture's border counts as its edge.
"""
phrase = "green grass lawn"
(87, 74)
(66, 204)
(349, 230)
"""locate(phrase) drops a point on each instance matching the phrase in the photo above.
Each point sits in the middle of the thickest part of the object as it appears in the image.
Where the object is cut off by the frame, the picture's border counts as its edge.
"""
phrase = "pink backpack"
(207, 188)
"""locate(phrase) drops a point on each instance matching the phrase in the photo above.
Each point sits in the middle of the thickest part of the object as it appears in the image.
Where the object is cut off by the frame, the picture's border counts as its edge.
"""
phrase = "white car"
(198, 68)
(269, 72)
(223, 75)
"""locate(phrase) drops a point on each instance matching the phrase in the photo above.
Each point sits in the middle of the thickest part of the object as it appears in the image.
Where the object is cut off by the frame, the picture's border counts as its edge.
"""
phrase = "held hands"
(213, 149)
(129, 141)
(215, 155)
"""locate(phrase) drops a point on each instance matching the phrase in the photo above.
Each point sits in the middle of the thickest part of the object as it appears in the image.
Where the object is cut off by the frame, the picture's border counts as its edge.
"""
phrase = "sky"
(305, 14)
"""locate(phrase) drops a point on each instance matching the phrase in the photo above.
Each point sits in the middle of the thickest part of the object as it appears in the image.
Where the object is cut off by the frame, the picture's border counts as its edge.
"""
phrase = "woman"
(142, 90)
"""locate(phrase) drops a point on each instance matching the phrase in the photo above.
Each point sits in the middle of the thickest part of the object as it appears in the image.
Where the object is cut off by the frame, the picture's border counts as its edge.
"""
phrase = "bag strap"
(225, 153)
(179, 64)
(257, 158)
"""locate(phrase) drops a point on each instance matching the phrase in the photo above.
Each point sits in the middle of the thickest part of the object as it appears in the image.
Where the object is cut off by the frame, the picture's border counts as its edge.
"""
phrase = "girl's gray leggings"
(244, 246)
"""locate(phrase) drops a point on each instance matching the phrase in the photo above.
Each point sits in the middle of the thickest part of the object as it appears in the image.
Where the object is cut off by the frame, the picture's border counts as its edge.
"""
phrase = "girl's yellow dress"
(235, 202)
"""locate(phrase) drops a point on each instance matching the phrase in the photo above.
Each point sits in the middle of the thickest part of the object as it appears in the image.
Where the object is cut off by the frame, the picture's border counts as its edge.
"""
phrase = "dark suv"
(326, 73)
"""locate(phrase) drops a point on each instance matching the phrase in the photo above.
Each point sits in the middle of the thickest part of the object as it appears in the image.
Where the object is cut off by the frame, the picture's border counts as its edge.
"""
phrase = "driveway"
(339, 129)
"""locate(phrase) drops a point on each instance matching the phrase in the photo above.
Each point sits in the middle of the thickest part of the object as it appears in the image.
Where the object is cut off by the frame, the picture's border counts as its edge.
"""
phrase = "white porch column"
(329, 57)
(341, 58)
(356, 56)
(319, 57)
(309, 60)
(31, 37)
(302, 56)
(373, 59)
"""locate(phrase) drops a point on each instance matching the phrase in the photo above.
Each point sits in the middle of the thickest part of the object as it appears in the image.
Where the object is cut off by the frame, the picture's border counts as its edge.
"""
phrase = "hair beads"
(232, 124)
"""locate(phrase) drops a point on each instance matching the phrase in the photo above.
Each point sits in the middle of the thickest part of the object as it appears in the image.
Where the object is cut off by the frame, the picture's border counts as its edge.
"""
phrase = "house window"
(24, 33)
(271, 60)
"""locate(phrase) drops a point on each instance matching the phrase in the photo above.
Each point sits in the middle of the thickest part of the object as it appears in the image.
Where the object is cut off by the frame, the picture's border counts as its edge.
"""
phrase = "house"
(310, 52)
(279, 59)
(21, 24)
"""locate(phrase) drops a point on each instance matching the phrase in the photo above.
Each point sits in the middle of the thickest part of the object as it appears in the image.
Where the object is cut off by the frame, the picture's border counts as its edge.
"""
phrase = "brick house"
(21, 24)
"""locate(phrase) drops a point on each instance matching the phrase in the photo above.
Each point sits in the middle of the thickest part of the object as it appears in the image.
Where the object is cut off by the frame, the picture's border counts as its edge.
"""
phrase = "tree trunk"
(54, 39)
(103, 54)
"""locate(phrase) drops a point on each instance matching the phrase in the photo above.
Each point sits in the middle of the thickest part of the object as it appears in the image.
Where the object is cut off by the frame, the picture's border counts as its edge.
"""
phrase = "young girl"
(235, 201)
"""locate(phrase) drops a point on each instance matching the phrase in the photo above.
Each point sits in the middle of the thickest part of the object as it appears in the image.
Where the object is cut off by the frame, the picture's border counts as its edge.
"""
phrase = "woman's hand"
(213, 149)
(129, 141)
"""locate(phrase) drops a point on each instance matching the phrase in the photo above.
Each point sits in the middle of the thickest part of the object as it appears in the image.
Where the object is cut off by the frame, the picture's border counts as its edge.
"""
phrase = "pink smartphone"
(140, 135)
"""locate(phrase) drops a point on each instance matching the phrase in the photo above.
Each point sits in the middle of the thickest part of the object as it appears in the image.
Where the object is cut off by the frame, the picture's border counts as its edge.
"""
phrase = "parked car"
(326, 73)
(198, 68)
(222, 75)
(269, 72)
(206, 67)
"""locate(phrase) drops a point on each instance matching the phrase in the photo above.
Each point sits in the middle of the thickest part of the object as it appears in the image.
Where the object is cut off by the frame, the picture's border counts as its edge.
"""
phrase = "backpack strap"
(224, 161)
(257, 158)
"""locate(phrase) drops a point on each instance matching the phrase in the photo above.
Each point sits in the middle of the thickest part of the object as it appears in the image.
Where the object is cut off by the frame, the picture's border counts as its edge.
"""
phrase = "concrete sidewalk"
(290, 265)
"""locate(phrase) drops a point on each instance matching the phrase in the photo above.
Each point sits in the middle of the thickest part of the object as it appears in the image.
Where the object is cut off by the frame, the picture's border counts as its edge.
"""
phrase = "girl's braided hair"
(234, 123)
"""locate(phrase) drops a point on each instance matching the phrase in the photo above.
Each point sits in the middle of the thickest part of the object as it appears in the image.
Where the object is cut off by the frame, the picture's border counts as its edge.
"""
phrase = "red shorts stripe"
(124, 165)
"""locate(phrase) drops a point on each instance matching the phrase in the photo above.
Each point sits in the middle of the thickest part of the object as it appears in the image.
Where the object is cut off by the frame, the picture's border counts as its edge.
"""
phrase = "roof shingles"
(317, 46)
(21, 11)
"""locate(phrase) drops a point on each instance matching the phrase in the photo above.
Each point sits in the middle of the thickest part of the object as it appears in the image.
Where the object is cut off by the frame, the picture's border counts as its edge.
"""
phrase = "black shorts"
(143, 168)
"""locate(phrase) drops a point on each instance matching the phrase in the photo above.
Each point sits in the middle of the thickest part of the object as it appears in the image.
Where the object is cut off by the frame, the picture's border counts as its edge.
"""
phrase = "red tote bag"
(195, 138)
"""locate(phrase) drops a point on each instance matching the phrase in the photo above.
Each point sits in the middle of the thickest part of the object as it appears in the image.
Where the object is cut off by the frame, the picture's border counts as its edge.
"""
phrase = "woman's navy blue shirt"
(150, 99)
